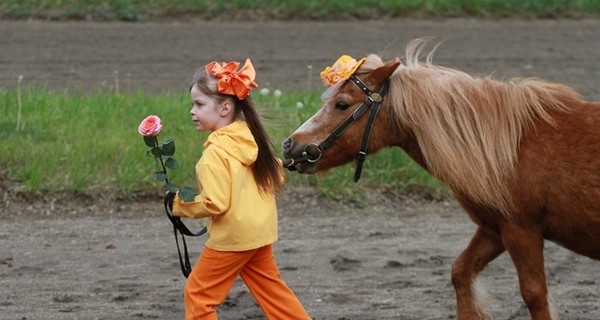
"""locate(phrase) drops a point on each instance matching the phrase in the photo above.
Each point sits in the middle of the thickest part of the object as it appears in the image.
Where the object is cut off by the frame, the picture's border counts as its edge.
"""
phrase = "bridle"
(312, 152)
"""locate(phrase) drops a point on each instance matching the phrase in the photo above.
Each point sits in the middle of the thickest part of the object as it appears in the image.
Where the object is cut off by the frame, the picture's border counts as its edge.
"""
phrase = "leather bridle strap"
(178, 225)
(374, 99)
(325, 144)
(342, 127)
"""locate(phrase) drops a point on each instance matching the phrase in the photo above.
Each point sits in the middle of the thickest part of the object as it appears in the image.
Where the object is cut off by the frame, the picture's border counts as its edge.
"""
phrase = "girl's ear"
(226, 107)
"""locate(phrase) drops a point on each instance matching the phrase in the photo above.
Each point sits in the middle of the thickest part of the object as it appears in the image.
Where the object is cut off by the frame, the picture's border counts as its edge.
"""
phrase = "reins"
(179, 226)
(312, 152)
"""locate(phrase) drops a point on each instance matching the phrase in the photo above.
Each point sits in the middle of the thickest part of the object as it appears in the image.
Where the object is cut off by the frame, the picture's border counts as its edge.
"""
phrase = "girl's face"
(207, 114)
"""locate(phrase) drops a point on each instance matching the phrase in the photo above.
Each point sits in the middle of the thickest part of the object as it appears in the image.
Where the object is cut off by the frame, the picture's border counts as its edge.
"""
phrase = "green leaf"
(168, 148)
(150, 141)
(187, 194)
(170, 187)
(161, 175)
(171, 163)
(156, 151)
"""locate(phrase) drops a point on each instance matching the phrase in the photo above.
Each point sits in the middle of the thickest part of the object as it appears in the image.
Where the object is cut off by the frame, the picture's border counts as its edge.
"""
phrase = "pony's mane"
(469, 128)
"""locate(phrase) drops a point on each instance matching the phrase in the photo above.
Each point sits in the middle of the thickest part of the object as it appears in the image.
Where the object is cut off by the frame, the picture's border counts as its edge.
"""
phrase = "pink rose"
(150, 126)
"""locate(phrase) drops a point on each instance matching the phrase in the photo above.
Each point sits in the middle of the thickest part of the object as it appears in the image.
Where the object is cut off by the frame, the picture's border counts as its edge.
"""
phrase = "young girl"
(238, 176)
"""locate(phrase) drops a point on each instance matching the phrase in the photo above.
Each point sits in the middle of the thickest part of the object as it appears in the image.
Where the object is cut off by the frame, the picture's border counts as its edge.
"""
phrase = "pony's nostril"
(287, 144)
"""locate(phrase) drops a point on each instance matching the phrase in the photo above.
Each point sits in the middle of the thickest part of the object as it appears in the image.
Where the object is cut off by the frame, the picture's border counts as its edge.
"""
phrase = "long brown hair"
(267, 170)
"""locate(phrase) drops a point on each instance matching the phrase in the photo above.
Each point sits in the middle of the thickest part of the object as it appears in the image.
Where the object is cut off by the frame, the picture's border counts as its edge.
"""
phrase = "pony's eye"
(341, 106)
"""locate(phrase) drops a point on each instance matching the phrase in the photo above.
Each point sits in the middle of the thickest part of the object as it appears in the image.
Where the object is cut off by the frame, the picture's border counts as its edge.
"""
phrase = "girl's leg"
(275, 298)
(209, 282)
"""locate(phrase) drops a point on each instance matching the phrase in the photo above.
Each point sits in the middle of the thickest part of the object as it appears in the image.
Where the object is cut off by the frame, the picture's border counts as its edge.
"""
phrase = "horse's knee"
(482, 249)
(464, 270)
(535, 295)
(459, 274)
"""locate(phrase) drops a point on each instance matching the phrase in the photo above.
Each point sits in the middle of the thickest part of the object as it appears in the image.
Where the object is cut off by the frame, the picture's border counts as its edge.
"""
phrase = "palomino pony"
(521, 157)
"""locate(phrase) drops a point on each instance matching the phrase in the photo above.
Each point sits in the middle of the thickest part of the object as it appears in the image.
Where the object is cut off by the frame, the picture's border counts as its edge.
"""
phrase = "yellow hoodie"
(238, 216)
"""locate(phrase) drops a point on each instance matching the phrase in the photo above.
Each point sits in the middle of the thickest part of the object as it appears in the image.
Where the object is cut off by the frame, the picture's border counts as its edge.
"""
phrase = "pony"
(521, 157)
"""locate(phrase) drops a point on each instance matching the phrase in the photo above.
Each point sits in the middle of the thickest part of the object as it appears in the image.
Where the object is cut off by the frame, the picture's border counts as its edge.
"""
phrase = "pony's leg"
(526, 249)
(482, 249)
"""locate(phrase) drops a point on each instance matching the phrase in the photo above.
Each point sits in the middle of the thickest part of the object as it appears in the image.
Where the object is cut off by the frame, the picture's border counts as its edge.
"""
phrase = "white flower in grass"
(299, 105)
(264, 91)
(277, 93)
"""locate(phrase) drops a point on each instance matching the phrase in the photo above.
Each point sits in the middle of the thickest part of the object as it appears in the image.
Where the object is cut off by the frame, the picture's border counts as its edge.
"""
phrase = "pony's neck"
(465, 127)
(410, 145)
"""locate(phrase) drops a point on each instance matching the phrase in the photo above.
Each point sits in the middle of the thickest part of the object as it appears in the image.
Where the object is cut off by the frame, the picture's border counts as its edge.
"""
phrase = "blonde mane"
(469, 128)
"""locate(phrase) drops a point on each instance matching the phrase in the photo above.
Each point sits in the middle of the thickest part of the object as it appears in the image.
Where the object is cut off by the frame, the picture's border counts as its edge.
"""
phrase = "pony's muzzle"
(289, 162)
(287, 149)
(300, 157)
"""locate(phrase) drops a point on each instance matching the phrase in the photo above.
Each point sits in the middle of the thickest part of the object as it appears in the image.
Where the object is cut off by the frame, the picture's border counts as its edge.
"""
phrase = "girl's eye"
(341, 106)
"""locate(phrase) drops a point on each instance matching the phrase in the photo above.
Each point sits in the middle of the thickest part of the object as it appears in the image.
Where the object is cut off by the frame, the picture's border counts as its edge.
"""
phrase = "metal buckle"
(375, 96)
(361, 155)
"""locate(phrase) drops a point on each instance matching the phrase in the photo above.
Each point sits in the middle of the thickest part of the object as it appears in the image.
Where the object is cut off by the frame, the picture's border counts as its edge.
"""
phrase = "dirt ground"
(105, 259)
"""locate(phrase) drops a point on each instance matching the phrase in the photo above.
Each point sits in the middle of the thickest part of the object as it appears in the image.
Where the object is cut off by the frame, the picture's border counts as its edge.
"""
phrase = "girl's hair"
(267, 170)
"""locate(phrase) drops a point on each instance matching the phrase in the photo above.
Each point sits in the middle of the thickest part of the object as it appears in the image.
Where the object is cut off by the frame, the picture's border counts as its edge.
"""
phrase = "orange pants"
(215, 272)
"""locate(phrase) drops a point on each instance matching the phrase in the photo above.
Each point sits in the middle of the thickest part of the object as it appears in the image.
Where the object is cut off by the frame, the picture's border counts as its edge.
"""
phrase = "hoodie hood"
(236, 140)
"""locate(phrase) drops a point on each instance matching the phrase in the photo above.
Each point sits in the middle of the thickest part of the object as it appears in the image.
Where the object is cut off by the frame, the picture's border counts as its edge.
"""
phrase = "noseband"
(312, 152)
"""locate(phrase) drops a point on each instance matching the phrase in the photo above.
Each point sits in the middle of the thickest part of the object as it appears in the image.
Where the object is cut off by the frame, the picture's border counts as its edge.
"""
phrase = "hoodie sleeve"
(214, 181)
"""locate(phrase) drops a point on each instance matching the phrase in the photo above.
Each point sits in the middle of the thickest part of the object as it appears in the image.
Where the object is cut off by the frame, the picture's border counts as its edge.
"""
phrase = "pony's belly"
(577, 232)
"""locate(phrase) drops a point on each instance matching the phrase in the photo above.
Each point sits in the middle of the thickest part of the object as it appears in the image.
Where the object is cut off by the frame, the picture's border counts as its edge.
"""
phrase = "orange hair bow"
(230, 80)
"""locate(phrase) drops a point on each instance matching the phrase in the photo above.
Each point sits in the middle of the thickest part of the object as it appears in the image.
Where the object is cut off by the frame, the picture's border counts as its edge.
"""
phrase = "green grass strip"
(88, 143)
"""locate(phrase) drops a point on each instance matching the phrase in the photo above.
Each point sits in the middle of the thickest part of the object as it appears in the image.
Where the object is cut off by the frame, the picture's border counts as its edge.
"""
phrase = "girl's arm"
(214, 183)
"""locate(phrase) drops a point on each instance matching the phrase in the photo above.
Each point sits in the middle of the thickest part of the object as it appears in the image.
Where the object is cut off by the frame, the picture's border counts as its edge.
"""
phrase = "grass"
(88, 143)
(142, 10)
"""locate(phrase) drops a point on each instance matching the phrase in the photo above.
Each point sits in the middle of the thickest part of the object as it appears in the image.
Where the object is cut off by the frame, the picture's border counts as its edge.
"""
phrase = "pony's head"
(333, 136)
(453, 124)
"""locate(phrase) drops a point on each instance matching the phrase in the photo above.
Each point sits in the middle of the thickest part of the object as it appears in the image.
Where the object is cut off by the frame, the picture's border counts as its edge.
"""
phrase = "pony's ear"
(382, 73)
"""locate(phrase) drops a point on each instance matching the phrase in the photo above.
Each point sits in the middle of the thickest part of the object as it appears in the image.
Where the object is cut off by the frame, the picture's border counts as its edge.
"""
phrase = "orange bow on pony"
(233, 82)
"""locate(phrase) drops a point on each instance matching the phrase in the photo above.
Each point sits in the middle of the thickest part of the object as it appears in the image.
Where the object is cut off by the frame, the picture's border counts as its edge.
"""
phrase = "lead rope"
(179, 226)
